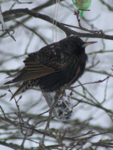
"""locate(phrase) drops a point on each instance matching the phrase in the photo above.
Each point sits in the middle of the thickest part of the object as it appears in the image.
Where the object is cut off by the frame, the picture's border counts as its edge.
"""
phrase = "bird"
(53, 66)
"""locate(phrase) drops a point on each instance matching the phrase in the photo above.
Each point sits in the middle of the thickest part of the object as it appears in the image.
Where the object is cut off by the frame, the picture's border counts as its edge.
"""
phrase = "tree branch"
(16, 13)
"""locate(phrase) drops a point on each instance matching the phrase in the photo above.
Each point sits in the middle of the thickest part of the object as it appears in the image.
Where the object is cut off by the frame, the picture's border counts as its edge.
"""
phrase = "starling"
(53, 66)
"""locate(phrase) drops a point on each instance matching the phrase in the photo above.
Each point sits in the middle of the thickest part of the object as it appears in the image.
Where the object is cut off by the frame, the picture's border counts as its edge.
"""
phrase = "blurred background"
(22, 124)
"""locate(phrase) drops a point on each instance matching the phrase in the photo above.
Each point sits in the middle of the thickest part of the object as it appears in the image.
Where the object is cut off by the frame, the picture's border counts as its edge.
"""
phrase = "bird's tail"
(25, 85)
(17, 76)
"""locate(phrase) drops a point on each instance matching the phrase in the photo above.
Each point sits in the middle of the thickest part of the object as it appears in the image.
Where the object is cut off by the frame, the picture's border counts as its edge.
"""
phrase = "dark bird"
(53, 66)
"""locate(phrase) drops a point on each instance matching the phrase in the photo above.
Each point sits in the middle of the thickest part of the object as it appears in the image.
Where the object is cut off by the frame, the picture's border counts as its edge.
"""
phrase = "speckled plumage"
(53, 66)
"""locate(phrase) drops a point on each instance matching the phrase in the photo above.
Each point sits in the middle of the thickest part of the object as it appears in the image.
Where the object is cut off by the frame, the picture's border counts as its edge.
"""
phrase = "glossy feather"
(53, 66)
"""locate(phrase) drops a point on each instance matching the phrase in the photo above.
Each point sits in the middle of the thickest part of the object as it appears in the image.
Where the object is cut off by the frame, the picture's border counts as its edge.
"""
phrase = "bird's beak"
(88, 43)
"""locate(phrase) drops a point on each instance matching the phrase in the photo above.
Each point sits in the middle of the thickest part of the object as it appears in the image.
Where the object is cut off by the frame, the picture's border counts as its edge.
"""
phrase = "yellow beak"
(88, 43)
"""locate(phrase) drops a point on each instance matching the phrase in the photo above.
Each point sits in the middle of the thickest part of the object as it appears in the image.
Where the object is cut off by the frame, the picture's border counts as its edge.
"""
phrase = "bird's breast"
(77, 68)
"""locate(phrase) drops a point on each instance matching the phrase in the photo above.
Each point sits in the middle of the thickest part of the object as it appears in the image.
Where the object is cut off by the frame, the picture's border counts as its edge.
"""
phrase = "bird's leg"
(62, 92)
(57, 93)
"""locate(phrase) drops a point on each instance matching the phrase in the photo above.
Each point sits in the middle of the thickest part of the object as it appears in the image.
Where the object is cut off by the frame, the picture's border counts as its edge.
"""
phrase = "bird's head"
(77, 45)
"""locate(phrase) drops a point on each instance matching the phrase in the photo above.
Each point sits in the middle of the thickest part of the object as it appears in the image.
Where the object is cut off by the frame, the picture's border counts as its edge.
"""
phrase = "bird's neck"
(83, 57)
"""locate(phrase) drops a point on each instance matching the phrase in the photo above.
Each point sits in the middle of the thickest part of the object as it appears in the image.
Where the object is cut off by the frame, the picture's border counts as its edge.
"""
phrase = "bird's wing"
(48, 60)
